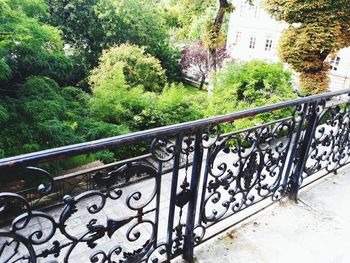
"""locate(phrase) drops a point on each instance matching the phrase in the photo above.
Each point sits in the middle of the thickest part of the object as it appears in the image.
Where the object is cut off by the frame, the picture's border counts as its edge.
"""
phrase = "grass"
(193, 90)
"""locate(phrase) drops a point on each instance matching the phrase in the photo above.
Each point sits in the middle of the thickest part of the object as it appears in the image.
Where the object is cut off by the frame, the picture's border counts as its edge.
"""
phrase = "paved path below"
(317, 229)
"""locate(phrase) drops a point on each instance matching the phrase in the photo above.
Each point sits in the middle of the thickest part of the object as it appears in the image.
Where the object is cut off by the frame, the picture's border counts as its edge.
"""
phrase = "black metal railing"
(189, 187)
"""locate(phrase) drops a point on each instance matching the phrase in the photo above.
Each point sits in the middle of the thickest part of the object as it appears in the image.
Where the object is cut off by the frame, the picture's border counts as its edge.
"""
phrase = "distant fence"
(192, 82)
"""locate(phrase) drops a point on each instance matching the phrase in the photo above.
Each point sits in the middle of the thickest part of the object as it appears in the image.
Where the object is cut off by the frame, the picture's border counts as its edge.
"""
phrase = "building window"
(242, 10)
(335, 63)
(252, 42)
(268, 44)
(237, 38)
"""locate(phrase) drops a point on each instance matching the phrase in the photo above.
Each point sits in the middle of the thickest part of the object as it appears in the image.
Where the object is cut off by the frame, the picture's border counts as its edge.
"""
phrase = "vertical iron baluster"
(191, 212)
(172, 201)
(292, 155)
(159, 184)
(204, 186)
(305, 146)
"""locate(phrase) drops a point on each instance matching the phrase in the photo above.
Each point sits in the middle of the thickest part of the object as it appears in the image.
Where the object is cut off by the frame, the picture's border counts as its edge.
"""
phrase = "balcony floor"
(317, 229)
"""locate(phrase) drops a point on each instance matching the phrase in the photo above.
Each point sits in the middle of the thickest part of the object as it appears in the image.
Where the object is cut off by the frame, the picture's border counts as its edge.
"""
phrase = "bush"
(139, 68)
(171, 107)
(249, 85)
(113, 101)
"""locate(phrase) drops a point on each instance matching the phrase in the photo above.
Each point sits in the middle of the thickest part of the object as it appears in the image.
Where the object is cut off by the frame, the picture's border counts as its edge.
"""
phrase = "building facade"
(254, 34)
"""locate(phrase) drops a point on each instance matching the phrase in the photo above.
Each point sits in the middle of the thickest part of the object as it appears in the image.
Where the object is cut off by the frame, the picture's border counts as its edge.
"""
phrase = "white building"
(254, 34)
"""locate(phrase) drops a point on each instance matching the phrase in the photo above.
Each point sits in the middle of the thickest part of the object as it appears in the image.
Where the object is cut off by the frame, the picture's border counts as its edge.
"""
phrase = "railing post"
(172, 201)
(310, 113)
(191, 213)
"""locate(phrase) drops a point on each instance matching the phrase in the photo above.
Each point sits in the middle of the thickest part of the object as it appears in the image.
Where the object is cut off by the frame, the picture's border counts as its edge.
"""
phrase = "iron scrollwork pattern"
(244, 168)
(26, 240)
(330, 142)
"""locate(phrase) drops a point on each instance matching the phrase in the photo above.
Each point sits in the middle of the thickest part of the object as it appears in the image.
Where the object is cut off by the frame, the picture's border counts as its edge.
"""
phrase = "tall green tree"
(28, 46)
(36, 110)
(318, 28)
(90, 26)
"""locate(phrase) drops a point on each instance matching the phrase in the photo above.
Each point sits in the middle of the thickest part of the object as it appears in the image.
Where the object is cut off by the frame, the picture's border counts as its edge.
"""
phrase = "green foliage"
(174, 105)
(93, 26)
(317, 29)
(140, 23)
(119, 101)
(31, 8)
(40, 109)
(139, 68)
(99, 130)
(45, 116)
(249, 85)
(29, 47)
(197, 17)
(4, 115)
(36, 119)
(113, 100)
(193, 16)
(5, 71)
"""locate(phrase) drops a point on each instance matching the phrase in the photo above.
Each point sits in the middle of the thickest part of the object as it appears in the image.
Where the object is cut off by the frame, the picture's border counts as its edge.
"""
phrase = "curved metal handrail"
(108, 143)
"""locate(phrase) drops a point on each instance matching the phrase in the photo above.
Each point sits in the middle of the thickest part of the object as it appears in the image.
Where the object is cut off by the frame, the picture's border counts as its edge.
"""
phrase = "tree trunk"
(215, 33)
(202, 82)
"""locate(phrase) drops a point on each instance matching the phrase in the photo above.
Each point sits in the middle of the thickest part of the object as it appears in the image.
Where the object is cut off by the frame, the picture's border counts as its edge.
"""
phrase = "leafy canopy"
(139, 68)
(318, 28)
(92, 26)
(250, 85)
(29, 47)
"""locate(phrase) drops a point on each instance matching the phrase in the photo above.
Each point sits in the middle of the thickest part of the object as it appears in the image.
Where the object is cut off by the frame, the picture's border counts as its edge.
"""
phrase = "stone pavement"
(317, 229)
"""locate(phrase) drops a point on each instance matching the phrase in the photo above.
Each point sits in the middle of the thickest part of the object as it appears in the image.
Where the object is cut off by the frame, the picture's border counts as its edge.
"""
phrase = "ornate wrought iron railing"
(190, 186)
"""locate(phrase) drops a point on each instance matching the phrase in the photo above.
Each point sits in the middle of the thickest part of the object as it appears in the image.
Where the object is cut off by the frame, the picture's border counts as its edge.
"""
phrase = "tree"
(249, 85)
(317, 29)
(118, 100)
(213, 37)
(139, 68)
(29, 47)
(191, 17)
(36, 119)
(212, 33)
(80, 25)
(113, 100)
(91, 26)
(195, 60)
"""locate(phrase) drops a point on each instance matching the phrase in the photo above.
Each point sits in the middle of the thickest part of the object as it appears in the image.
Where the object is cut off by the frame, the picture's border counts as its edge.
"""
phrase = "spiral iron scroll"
(24, 241)
(330, 143)
(245, 168)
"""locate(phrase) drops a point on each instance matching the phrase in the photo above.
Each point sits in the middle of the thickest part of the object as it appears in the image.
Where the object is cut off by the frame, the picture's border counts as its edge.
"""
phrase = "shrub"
(113, 101)
(249, 85)
(171, 107)
(139, 68)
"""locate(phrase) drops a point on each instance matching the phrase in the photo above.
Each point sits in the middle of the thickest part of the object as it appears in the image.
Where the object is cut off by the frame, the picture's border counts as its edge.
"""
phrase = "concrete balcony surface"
(317, 229)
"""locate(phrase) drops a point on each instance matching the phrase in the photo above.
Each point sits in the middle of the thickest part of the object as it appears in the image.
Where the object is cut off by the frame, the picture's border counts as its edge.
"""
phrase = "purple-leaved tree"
(195, 60)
